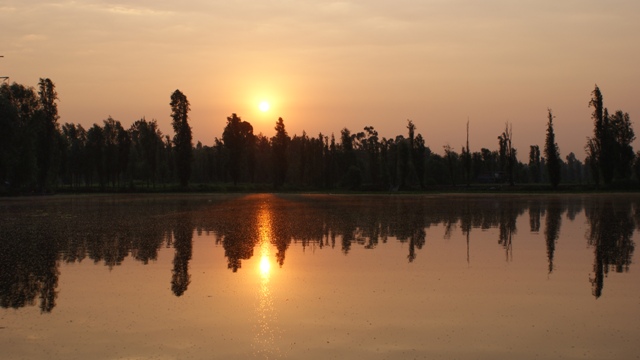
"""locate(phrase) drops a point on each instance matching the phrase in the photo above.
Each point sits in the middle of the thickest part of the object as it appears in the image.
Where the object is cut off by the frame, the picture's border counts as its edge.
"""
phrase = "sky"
(327, 65)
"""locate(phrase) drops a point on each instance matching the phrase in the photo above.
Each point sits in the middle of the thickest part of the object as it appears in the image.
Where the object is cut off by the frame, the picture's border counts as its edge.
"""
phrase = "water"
(319, 276)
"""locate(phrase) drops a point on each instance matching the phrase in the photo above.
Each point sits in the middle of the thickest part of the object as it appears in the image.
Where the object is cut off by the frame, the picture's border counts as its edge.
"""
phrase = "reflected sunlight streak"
(265, 265)
(265, 343)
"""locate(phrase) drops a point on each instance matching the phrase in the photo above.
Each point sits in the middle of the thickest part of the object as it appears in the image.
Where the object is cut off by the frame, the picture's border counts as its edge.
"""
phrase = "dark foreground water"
(319, 277)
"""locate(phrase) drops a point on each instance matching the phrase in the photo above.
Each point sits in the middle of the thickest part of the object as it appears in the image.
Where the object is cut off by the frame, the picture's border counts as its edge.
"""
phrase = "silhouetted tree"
(117, 144)
(438, 169)
(110, 136)
(419, 159)
(636, 166)
(76, 138)
(574, 168)
(279, 143)
(534, 163)
(452, 159)
(410, 171)
(317, 154)
(237, 137)
(372, 148)
(477, 165)
(507, 152)
(95, 152)
(251, 158)
(610, 147)
(490, 160)
(623, 136)
(18, 157)
(147, 145)
(331, 162)
(167, 161)
(124, 150)
(47, 130)
(302, 143)
(351, 176)
(412, 130)
(265, 160)
(182, 138)
(602, 137)
(593, 150)
(405, 165)
(552, 154)
(466, 159)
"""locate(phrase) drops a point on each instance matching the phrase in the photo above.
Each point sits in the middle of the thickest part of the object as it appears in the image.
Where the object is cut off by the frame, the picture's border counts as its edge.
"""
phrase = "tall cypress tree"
(552, 154)
(47, 129)
(466, 158)
(603, 140)
(507, 154)
(279, 145)
(182, 139)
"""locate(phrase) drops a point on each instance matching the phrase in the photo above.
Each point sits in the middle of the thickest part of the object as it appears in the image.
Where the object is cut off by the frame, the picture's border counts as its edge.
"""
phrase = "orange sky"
(324, 65)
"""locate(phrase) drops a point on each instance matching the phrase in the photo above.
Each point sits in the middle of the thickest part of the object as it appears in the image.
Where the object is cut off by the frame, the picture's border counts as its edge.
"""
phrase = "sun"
(264, 106)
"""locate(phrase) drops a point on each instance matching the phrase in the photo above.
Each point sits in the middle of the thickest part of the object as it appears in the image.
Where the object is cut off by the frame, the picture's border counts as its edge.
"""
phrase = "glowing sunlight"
(264, 106)
(265, 265)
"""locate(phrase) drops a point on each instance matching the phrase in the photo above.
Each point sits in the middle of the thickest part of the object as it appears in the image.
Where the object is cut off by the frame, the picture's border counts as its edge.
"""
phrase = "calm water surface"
(320, 276)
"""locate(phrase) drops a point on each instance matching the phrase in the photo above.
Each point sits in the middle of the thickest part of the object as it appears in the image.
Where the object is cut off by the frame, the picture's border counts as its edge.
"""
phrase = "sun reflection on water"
(265, 264)
(265, 341)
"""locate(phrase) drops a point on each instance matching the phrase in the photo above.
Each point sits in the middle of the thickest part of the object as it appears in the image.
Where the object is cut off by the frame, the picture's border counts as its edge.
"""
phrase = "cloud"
(33, 37)
(131, 10)
(338, 7)
(7, 9)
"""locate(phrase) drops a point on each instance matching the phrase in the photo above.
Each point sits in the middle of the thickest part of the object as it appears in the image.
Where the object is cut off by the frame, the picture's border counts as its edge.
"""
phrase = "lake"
(284, 276)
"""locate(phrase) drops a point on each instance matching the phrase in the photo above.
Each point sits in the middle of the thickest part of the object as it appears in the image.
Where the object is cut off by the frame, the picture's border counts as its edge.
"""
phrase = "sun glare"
(264, 106)
(265, 266)
(264, 221)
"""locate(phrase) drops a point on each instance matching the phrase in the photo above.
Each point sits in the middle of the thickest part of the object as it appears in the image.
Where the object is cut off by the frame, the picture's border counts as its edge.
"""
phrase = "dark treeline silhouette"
(36, 239)
(38, 154)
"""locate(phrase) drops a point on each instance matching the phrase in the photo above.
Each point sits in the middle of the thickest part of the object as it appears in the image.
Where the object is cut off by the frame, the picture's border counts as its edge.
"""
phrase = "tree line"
(38, 154)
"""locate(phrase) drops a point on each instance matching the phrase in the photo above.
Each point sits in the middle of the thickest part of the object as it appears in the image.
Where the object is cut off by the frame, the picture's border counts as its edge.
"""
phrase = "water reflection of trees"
(28, 270)
(183, 245)
(35, 239)
(553, 221)
(109, 230)
(611, 228)
(507, 215)
(535, 213)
